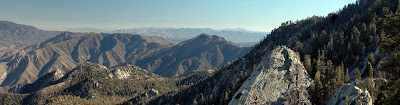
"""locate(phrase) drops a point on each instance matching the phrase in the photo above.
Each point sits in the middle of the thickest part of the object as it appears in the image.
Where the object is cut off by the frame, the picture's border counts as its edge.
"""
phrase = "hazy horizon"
(257, 15)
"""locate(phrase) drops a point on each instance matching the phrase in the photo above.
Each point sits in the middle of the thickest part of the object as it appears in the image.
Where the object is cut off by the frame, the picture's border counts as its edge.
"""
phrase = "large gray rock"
(354, 95)
(280, 79)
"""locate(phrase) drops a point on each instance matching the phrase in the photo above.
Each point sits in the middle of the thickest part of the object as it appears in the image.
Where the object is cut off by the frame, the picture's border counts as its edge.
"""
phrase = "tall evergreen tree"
(330, 81)
(357, 74)
(307, 64)
(371, 58)
(347, 76)
(339, 76)
(349, 59)
(318, 92)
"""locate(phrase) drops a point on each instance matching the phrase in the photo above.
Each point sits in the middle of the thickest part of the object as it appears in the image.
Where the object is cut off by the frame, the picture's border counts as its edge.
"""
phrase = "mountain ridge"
(68, 49)
(210, 51)
(240, 37)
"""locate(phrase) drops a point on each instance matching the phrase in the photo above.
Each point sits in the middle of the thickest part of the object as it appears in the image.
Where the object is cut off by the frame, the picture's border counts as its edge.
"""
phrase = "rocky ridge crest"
(280, 79)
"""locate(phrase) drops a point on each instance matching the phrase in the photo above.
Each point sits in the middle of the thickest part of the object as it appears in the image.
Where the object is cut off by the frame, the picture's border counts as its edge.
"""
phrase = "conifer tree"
(330, 81)
(307, 64)
(371, 58)
(318, 92)
(347, 77)
(339, 72)
(349, 59)
(370, 70)
(357, 74)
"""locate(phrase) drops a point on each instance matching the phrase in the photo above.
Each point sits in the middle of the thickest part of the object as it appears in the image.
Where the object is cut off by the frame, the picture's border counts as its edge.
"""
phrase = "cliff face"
(280, 79)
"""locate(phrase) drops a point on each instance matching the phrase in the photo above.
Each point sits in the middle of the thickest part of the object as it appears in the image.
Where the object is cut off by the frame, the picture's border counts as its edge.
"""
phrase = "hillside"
(91, 83)
(16, 36)
(200, 53)
(267, 79)
(67, 50)
(240, 37)
(348, 45)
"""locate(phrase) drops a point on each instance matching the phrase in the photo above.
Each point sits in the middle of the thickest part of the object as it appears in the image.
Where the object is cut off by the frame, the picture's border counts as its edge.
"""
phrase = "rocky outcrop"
(281, 79)
(119, 74)
(352, 95)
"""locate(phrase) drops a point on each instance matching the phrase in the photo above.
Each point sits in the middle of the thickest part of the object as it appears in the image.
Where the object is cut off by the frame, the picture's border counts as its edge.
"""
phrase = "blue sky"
(255, 15)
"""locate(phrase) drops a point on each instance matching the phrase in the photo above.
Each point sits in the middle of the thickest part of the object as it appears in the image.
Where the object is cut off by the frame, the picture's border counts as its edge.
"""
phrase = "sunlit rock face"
(279, 79)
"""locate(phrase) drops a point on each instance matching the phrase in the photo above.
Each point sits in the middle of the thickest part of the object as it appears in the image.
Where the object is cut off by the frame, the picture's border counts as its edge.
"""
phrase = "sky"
(254, 15)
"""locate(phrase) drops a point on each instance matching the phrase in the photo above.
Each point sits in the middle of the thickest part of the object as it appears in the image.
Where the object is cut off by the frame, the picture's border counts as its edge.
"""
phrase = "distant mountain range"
(239, 36)
(96, 30)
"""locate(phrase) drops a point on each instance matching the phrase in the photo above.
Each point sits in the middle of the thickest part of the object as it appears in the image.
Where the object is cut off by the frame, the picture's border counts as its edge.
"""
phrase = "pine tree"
(370, 70)
(339, 72)
(357, 74)
(307, 64)
(340, 43)
(355, 35)
(349, 59)
(323, 38)
(320, 67)
(357, 59)
(347, 77)
(318, 92)
(330, 81)
(298, 46)
(371, 58)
